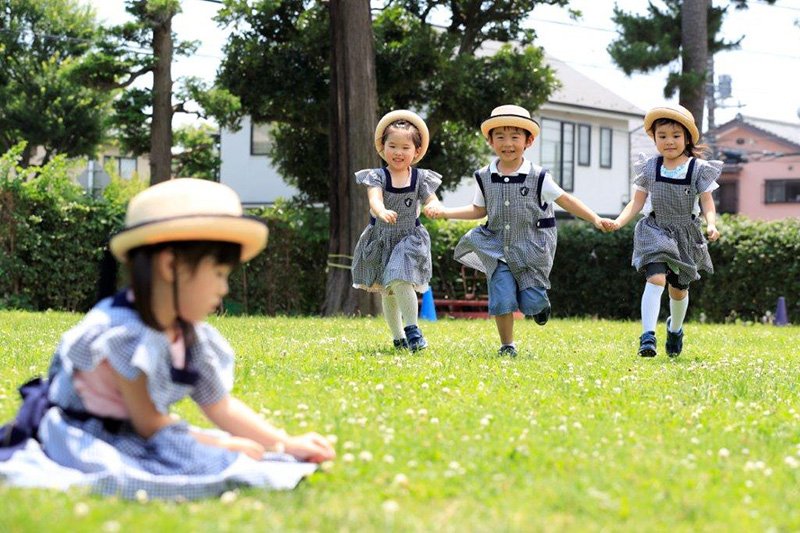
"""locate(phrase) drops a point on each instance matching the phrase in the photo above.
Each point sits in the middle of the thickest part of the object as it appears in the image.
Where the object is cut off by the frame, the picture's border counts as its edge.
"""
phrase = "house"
(761, 176)
(585, 141)
(94, 178)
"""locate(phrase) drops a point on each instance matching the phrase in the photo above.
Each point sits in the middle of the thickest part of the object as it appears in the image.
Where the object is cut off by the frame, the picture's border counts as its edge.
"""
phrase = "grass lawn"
(576, 433)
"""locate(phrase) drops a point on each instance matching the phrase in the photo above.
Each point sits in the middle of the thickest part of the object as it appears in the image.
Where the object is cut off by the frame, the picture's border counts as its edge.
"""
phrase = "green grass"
(575, 434)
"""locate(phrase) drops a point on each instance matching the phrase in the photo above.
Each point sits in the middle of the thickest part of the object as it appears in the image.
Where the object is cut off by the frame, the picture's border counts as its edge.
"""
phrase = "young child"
(106, 418)
(393, 254)
(668, 244)
(516, 247)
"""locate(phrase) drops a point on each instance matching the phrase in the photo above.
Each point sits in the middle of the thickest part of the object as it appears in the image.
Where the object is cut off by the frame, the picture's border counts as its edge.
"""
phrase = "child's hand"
(311, 447)
(712, 232)
(601, 224)
(434, 211)
(246, 446)
(610, 225)
(388, 216)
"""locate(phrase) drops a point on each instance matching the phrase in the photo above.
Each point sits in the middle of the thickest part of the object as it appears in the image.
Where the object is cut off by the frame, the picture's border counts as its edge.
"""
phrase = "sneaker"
(400, 344)
(674, 340)
(416, 341)
(647, 344)
(508, 350)
(542, 316)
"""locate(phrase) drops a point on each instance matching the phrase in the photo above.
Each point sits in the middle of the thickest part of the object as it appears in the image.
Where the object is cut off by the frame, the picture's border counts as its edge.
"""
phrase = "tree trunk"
(353, 117)
(161, 122)
(694, 53)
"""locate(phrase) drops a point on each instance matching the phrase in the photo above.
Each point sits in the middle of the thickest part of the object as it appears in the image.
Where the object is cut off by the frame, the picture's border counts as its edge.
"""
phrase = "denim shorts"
(505, 296)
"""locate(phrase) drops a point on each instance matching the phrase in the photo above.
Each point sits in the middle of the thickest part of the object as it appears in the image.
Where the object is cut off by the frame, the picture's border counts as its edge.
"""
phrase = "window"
(584, 145)
(259, 139)
(125, 167)
(605, 147)
(558, 151)
(782, 191)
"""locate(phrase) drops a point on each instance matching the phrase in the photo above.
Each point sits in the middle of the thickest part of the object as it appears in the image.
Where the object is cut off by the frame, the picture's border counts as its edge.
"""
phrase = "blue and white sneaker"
(416, 341)
(647, 344)
(674, 340)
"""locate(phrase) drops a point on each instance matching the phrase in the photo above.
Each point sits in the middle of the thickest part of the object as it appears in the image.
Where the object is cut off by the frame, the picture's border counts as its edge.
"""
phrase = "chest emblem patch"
(687, 191)
(524, 191)
(408, 202)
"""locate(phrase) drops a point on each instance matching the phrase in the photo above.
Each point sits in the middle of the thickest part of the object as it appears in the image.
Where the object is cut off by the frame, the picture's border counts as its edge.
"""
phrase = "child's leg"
(391, 312)
(505, 328)
(678, 304)
(406, 301)
(651, 297)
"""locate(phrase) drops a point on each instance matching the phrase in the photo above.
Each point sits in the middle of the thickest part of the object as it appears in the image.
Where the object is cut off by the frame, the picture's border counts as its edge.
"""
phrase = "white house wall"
(252, 176)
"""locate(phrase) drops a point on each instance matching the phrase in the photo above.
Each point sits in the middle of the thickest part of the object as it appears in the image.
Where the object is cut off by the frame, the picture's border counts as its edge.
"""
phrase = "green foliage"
(277, 63)
(288, 277)
(51, 236)
(44, 103)
(575, 434)
(198, 155)
(653, 40)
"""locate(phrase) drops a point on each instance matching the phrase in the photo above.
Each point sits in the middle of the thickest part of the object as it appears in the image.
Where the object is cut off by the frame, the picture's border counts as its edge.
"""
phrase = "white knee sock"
(651, 305)
(406, 301)
(677, 310)
(391, 312)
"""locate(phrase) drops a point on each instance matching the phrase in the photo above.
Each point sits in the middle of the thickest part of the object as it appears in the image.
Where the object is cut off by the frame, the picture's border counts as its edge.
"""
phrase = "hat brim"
(409, 116)
(512, 121)
(251, 233)
(671, 114)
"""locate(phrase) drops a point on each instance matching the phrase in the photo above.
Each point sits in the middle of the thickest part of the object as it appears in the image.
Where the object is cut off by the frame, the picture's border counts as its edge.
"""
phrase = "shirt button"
(505, 179)
(506, 248)
(507, 202)
(508, 226)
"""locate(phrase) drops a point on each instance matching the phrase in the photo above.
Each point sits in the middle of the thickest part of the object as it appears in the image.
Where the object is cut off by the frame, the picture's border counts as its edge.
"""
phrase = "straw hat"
(408, 116)
(188, 209)
(678, 113)
(512, 116)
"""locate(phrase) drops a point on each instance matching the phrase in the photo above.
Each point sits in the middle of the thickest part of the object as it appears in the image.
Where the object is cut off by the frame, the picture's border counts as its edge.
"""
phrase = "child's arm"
(633, 208)
(710, 212)
(375, 196)
(465, 212)
(233, 416)
(573, 205)
(144, 417)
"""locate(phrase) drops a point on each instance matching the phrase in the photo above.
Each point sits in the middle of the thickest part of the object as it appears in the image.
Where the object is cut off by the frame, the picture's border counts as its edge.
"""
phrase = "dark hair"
(406, 126)
(528, 134)
(695, 150)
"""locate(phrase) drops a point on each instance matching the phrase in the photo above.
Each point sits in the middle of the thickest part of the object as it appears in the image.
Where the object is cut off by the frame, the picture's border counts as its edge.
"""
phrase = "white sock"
(651, 305)
(391, 312)
(677, 310)
(406, 301)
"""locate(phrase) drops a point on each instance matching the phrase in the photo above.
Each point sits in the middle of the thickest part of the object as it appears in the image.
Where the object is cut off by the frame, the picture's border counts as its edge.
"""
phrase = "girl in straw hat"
(393, 254)
(516, 246)
(668, 245)
(103, 417)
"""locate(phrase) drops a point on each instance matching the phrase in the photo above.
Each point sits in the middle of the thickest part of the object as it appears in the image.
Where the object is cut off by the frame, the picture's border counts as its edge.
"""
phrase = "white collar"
(524, 168)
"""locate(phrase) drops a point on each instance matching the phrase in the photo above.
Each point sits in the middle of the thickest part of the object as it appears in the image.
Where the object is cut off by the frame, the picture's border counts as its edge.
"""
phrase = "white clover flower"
(390, 506)
(228, 497)
(388, 459)
(434, 420)
(348, 445)
(141, 496)
(791, 462)
(365, 456)
(401, 480)
(379, 387)
(348, 458)
(81, 509)
(111, 526)
(724, 453)
(422, 412)
(331, 438)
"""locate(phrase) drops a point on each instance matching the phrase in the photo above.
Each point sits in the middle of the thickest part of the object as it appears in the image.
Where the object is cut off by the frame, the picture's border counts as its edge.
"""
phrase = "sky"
(764, 70)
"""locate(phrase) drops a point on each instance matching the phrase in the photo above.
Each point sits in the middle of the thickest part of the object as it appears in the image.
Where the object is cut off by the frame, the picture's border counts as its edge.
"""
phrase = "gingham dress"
(520, 229)
(672, 234)
(395, 252)
(171, 464)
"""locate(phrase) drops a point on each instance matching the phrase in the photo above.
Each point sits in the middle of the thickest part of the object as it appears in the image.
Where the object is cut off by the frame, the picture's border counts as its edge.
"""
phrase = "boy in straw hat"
(516, 247)
(668, 244)
(103, 415)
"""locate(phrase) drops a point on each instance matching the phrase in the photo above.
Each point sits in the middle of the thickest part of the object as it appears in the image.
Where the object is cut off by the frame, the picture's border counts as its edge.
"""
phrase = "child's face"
(201, 290)
(670, 140)
(399, 150)
(510, 143)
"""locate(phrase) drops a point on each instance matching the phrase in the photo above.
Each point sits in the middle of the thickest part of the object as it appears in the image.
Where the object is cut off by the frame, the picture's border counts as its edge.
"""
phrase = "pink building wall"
(759, 168)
